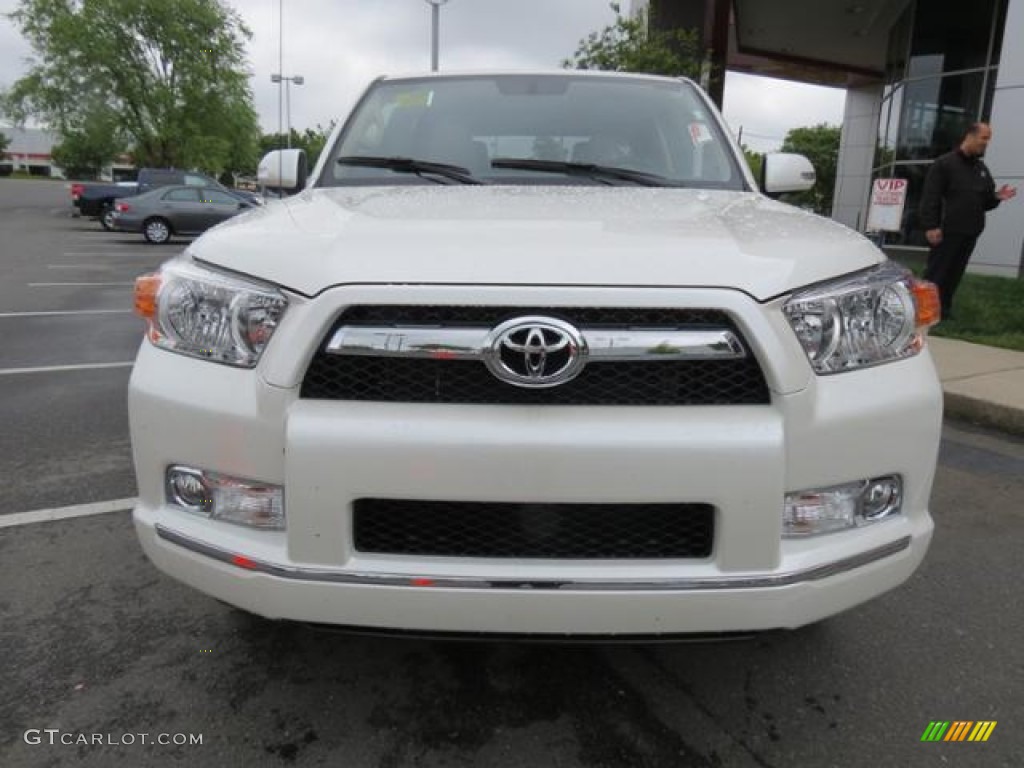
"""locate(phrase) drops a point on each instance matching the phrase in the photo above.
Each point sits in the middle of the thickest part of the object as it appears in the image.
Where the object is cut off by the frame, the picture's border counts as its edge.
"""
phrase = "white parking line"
(61, 285)
(92, 250)
(107, 252)
(67, 312)
(64, 513)
(80, 266)
(60, 368)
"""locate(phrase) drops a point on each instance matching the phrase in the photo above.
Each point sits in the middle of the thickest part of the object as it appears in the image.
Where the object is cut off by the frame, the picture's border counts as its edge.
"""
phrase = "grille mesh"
(548, 531)
(382, 379)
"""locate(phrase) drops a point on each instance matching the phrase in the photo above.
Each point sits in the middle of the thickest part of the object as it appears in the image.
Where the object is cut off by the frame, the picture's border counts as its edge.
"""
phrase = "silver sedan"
(179, 210)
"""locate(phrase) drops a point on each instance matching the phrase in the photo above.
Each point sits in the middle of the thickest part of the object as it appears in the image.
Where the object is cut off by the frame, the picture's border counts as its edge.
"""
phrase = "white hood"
(532, 235)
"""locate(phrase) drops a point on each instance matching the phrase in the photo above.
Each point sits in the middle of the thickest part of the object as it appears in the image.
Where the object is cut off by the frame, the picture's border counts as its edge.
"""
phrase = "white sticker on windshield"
(700, 133)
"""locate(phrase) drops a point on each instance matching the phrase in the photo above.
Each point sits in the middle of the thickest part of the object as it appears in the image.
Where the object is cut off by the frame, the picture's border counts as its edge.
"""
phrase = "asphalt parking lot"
(68, 341)
(102, 657)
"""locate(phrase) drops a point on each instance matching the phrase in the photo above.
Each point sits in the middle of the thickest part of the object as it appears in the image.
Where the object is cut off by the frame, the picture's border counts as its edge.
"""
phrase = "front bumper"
(554, 608)
(742, 459)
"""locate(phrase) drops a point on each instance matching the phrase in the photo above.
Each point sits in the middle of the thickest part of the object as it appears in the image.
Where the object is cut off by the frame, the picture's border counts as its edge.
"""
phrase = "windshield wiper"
(409, 165)
(600, 173)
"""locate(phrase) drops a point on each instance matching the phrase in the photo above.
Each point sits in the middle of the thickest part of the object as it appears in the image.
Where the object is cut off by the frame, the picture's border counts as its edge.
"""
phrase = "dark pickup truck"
(96, 200)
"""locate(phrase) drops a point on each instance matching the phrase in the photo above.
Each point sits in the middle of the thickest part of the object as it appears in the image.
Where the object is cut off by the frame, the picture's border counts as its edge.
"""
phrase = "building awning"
(827, 42)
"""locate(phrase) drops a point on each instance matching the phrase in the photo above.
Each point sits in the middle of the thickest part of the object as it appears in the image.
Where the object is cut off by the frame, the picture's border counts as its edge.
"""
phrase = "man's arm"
(930, 209)
(992, 199)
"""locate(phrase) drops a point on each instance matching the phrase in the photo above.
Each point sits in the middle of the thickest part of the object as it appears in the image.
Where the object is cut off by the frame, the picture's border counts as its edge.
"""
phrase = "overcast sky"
(338, 46)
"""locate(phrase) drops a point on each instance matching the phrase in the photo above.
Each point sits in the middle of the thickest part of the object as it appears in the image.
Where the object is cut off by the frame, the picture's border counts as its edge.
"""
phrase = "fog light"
(839, 507)
(186, 489)
(222, 497)
(883, 497)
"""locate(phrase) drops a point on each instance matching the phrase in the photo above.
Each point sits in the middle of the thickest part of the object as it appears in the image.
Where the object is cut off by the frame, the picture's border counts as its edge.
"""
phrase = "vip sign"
(888, 197)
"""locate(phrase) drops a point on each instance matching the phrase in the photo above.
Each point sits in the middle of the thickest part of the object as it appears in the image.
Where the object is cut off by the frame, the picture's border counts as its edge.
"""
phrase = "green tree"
(170, 76)
(754, 160)
(85, 149)
(4, 143)
(820, 144)
(631, 45)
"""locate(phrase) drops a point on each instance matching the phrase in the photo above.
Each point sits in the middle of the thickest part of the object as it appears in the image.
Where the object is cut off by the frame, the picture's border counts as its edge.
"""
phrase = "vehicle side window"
(219, 198)
(194, 180)
(159, 178)
(182, 195)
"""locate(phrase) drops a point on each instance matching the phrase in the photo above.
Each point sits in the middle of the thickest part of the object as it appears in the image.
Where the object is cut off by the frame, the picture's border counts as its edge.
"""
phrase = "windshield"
(580, 127)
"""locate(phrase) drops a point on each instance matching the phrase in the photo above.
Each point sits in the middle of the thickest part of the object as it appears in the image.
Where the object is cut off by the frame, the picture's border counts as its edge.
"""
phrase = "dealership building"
(28, 151)
(916, 74)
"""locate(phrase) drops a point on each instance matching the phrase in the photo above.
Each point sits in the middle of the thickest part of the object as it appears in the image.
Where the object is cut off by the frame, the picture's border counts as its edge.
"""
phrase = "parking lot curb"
(984, 413)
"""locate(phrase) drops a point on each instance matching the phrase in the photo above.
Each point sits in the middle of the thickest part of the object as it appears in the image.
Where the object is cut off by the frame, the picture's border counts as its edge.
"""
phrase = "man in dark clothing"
(957, 192)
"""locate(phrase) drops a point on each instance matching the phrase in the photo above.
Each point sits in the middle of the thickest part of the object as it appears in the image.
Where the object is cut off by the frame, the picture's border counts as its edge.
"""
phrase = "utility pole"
(435, 29)
(280, 68)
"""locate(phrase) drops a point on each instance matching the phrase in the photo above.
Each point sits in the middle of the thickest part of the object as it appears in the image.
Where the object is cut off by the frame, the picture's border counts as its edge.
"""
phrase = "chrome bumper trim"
(602, 345)
(456, 582)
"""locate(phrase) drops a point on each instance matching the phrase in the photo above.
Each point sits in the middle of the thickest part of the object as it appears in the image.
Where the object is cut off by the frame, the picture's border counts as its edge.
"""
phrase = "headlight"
(201, 313)
(875, 317)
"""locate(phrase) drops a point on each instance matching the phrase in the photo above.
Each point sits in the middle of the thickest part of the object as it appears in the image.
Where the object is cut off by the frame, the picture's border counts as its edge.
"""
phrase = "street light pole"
(276, 78)
(280, 68)
(287, 80)
(435, 29)
(298, 80)
(280, 64)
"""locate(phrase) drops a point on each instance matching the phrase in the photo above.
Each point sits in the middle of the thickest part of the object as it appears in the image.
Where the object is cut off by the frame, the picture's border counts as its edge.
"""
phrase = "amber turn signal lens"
(146, 289)
(926, 299)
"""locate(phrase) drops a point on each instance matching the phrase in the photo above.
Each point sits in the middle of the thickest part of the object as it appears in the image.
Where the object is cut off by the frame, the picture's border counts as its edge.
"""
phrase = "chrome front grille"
(435, 354)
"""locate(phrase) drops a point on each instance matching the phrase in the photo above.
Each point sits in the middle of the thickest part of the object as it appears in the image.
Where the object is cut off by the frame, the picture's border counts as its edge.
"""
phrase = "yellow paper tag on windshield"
(415, 98)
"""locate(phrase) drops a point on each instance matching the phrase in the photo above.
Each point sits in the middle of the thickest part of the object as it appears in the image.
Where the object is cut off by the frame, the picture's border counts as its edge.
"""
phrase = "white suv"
(531, 354)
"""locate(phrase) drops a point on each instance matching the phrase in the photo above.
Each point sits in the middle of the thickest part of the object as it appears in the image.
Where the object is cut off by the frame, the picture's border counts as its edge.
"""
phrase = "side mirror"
(784, 172)
(284, 170)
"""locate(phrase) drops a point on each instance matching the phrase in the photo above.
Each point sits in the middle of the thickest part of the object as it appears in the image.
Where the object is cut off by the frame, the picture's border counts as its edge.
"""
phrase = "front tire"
(156, 231)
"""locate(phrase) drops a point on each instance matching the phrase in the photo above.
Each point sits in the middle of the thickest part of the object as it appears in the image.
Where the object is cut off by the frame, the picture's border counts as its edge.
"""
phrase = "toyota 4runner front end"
(531, 355)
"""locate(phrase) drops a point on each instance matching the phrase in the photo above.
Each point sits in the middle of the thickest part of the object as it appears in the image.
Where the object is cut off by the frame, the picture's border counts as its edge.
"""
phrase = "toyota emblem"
(535, 352)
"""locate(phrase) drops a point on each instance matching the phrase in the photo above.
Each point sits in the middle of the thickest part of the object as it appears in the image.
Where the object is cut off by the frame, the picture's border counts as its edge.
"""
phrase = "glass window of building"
(951, 37)
(888, 126)
(940, 78)
(899, 47)
(997, 29)
(936, 113)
